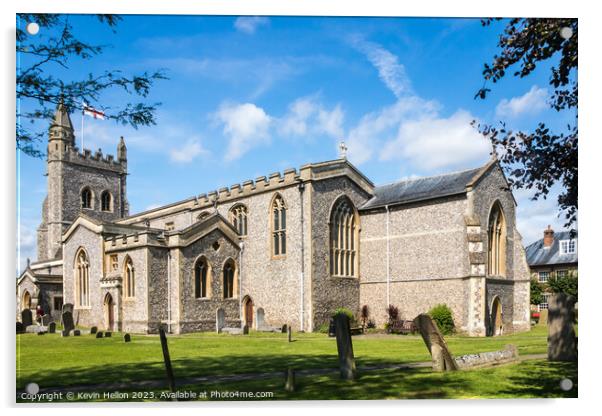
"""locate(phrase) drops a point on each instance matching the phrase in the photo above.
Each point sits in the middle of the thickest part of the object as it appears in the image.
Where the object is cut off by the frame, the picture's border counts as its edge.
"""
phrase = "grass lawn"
(53, 361)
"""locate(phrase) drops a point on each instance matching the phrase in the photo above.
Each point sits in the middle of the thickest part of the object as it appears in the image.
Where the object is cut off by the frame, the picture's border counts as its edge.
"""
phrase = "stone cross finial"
(343, 150)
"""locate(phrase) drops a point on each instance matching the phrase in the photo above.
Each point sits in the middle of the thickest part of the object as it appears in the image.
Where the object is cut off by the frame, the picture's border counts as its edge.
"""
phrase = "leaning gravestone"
(442, 358)
(52, 327)
(93, 330)
(562, 342)
(26, 317)
(220, 320)
(67, 319)
(345, 347)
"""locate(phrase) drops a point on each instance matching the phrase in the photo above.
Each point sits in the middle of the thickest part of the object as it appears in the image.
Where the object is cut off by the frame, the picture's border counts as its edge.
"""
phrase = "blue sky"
(248, 96)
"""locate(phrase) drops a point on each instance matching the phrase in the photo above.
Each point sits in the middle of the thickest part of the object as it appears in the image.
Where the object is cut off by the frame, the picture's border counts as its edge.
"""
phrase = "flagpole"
(82, 130)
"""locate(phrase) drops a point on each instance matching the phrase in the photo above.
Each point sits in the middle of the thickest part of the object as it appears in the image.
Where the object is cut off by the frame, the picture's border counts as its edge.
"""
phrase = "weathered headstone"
(26, 317)
(67, 319)
(562, 341)
(220, 320)
(20, 327)
(168, 370)
(441, 356)
(345, 347)
(67, 307)
(331, 328)
(290, 334)
(543, 317)
(108, 334)
(289, 380)
(46, 319)
(260, 319)
(76, 333)
(52, 327)
(245, 330)
(127, 338)
(99, 334)
(284, 328)
(93, 330)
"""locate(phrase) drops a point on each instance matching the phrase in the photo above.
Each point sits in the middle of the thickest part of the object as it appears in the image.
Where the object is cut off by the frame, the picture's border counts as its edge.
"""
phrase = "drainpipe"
(302, 280)
(388, 268)
(242, 248)
(169, 292)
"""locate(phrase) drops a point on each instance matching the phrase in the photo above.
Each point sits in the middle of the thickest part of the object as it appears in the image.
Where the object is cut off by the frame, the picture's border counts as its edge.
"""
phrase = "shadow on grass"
(543, 379)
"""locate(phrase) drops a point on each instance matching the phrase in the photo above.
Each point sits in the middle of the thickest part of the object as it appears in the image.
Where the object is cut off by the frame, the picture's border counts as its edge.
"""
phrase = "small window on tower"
(86, 198)
(114, 262)
(105, 201)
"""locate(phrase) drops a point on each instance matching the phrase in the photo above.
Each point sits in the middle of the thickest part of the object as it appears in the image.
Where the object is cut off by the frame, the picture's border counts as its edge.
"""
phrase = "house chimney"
(548, 237)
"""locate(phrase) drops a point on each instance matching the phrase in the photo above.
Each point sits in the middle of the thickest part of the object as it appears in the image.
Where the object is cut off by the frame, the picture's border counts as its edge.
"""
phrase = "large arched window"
(86, 198)
(105, 201)
(278, 214)
(230, 284)
(238, 218)
(82, 279)
(202, 279)
(343, 239)
(496, 233)
(129, 278)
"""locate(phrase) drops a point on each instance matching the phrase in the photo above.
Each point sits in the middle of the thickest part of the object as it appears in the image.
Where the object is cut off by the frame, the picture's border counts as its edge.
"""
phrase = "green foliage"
(536, 292)
(568, 285)
(442, 315)
(39, 92)
(323, 329)
(344, 311)
(541, 158)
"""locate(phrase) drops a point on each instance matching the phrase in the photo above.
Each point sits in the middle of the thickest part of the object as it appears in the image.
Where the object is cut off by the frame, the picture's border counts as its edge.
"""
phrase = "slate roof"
(537, 255)
(421, 189)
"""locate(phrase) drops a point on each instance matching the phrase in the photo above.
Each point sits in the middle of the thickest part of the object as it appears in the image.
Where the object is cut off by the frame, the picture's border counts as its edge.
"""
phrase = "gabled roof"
(40, 277)
(422, 189)
(202, 228)
(537, 255)
(105, 228)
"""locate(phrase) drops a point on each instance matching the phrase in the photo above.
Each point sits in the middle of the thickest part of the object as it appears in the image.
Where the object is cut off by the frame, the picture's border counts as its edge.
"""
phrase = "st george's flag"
(92, 112)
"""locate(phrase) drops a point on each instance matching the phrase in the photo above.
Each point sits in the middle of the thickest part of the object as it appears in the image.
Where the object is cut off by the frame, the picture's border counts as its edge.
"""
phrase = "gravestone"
(442, 358)
(284, 328)
(67, 319)
(45, 320)
(290, 334)
(562, 342)
(41, 332)
(20, 328)
(543, 317)
(52, 327)
(64, 333)
(260, 319)
(93, 330)
(245, 330)
(345, 347)
(220, 320)
(108, 334)
(99, 334)
(76, 333)
(67, 307)
(331, 328)
(127, 338)
(26, 318)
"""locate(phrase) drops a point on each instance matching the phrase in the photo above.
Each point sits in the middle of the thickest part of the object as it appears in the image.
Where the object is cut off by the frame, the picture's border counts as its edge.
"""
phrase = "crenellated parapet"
(94, 159)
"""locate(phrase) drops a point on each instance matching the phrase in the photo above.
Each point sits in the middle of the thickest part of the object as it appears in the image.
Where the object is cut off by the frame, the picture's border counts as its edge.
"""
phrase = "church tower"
(78, 182)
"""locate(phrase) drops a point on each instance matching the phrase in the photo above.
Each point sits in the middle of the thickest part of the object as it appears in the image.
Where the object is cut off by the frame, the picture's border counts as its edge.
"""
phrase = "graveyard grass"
(53, 361)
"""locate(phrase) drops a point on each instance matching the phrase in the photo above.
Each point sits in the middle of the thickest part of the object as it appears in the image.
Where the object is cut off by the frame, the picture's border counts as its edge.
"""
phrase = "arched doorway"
(109, 312)
(248, 311)
(497, 325)
(26, 300)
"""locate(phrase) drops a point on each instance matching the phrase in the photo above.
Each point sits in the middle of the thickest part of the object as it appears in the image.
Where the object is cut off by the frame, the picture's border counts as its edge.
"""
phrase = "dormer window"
(568, 246)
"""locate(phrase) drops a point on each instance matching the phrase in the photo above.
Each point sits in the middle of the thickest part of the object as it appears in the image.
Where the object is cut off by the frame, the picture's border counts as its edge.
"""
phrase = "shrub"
(371, 324)
(394, 324)
(442, 316)
(323, 329)
(346, 312)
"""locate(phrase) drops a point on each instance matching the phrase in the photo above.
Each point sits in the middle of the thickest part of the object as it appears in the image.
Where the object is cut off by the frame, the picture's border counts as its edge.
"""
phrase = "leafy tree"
(540, 158)
(54, 47)
(536, 292)
(568, 285)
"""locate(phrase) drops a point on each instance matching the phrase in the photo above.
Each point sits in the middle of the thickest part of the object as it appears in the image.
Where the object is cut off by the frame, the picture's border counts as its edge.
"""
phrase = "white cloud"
(245, 125)
(433, 142)
(307, 116)
(26, 244)
(249, 24)
(531, 102)
(390, 70)
(187, 153)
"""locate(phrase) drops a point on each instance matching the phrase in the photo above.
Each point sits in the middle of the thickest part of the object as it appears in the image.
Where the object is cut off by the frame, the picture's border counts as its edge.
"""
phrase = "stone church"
(287, 248)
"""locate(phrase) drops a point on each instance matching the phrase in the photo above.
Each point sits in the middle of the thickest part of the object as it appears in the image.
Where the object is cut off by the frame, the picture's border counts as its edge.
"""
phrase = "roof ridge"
(429, 177)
